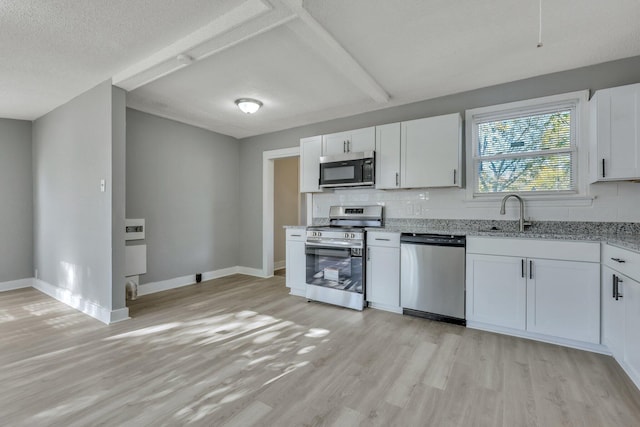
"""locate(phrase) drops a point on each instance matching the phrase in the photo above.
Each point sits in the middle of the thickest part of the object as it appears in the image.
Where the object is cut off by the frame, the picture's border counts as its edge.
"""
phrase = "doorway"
(286, 206)
(268, 193)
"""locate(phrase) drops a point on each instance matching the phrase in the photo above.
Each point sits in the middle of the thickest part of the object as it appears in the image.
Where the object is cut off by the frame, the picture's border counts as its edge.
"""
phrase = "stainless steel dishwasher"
(432, 276)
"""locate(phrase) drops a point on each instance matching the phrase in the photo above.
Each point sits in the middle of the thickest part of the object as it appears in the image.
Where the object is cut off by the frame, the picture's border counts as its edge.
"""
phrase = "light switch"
(103, 185)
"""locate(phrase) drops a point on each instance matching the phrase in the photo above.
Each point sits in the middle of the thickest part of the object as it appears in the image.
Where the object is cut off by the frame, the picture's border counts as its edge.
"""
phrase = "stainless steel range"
(334, 261)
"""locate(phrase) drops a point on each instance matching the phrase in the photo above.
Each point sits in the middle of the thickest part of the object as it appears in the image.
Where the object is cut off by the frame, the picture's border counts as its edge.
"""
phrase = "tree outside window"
(525, 152)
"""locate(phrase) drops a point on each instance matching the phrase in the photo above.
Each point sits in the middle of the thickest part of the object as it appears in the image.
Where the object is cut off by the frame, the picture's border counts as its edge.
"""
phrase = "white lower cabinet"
(613, 316)
(383, 271)
(632, 328)
(563, 299)
(621, 307)
(296, 261)
(511, 288)
(498, 292)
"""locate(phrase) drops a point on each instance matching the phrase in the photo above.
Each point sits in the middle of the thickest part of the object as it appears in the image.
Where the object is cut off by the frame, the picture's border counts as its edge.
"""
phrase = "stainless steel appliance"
(348, 170)
(432, 276)
(334, 262)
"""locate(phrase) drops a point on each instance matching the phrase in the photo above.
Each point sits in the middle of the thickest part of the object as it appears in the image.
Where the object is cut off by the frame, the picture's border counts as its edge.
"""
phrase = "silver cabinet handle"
(618, 281)
(530, 269)
(385, 240)
(454, 176)
(296, 235)
(621, 261)
(613, 286)
(344, 146)
(522, 267)
(397, 179)
(368, 254)
(348, 146)
(603, 168)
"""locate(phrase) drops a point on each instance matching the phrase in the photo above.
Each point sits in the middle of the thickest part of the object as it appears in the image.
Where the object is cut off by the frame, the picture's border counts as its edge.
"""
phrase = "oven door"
(335, 267)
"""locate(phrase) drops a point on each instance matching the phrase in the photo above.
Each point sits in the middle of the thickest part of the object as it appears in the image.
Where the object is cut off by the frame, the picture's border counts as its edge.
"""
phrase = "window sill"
(543, 201)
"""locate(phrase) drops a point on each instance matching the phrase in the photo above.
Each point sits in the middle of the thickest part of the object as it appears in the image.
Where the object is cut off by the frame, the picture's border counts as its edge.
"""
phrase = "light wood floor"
(239, 351)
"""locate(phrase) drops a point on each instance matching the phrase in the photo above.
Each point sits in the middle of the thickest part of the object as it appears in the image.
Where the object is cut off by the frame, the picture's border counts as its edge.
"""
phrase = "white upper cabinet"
(310, 151)
(615, 134)
(431, 152)
(352, 141)
(388, 156)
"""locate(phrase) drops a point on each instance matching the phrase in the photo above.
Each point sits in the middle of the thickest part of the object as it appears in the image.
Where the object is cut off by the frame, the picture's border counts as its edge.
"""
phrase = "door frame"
(268, 158)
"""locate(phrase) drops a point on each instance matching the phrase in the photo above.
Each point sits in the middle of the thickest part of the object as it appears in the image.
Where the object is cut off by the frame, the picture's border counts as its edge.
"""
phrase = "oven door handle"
(334, 245)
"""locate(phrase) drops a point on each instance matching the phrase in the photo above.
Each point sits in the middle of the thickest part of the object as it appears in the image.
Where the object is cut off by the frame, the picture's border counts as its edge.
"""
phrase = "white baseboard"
(165, 285)
(596, 348)
(16, 284)
(386, 307)
(298, 292)
(278, 265)
(178, 282)
(79, 303)
(251, 272)
(119, 315)
(630, 372)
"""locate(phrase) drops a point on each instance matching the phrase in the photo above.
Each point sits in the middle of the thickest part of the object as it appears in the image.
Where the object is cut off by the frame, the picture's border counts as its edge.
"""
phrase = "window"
(527, 147)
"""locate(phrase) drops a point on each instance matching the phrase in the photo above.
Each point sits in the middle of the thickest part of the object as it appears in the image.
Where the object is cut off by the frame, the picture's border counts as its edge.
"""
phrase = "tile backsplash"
(606, 202)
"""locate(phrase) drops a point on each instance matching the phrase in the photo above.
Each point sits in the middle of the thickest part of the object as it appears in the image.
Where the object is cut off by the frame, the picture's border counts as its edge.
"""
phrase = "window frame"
(575, 101)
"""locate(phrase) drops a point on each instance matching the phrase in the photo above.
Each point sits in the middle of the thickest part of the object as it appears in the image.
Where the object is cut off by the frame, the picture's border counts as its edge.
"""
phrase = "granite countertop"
(295, 227)
(623, 240)
(625, 235)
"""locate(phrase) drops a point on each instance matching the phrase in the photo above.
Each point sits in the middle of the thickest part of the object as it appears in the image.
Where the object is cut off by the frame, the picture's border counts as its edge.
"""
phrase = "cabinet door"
(383, 276)
(613, 316)
(563, 299)
(310, 149)
(617, 133)
(496, 290)
(632, 322)
(388, 156)
(296, 267)
(362, 140)
(335, 143)
(431, 152)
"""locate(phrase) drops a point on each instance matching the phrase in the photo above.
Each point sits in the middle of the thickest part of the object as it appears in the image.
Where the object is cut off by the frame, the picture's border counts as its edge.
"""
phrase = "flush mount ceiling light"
(248, 105)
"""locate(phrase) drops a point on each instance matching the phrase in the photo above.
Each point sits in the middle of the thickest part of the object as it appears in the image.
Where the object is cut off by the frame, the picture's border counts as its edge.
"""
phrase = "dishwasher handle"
(432, 239)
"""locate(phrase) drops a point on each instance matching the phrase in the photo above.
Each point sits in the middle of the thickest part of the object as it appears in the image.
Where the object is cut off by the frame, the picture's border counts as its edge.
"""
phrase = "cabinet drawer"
(625, 261)
(298, 234)
(379, 238)
(535, 248)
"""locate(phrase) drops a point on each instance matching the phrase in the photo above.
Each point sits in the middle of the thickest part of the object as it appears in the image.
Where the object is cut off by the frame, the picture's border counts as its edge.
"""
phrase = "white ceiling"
(307, 61)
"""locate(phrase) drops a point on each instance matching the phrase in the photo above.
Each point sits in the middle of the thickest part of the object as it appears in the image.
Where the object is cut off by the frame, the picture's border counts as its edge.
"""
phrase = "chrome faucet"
(523, 222)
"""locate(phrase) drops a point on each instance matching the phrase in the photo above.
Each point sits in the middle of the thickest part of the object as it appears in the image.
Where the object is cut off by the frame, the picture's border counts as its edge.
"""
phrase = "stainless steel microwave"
(348, 170)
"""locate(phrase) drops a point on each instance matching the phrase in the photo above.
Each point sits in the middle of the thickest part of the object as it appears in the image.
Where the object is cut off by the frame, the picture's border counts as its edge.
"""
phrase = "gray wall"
(184, 181)
(16, 196)
(118, 187)
(72, 217)
(600, 76)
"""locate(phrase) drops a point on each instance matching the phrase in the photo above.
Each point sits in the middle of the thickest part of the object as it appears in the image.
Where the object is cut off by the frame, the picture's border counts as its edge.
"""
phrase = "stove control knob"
(353, 235)
(346, 235)
(318, 233)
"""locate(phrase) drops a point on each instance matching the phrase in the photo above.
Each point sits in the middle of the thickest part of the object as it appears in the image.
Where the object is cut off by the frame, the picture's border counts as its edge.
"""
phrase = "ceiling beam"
(250, 18)
(325, 44)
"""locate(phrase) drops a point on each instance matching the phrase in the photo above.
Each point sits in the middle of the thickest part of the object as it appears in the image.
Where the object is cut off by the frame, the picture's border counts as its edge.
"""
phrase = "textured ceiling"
(307, 61)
